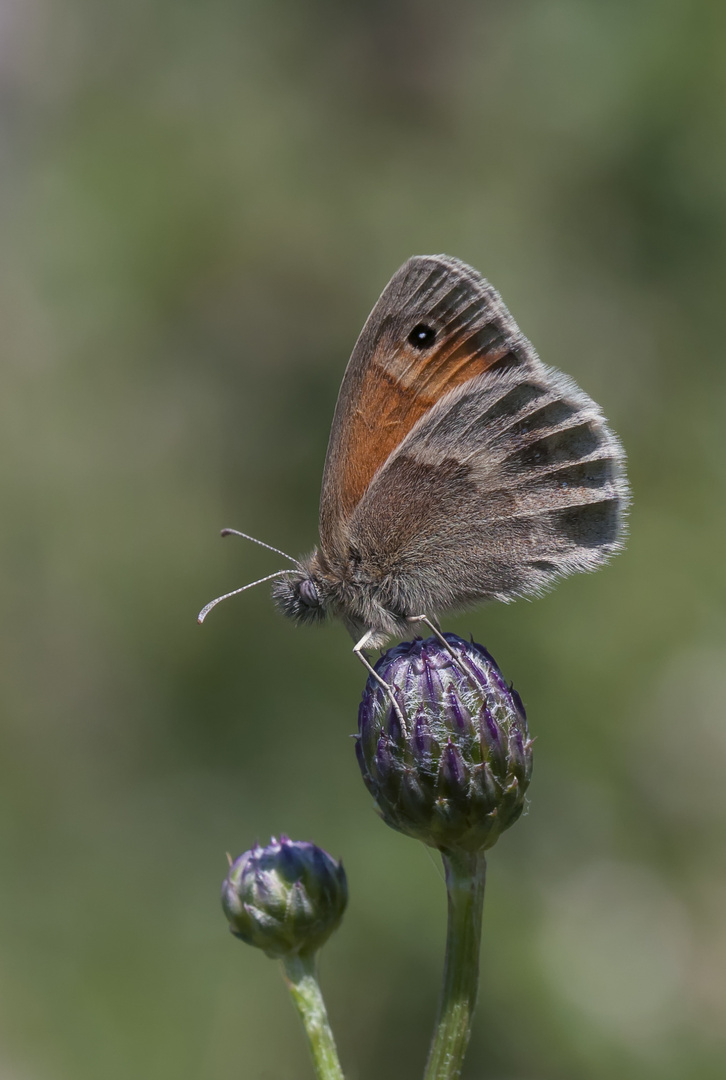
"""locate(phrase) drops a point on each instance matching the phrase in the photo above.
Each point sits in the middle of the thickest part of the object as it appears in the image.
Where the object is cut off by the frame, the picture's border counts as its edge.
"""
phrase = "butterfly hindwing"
(510, 481)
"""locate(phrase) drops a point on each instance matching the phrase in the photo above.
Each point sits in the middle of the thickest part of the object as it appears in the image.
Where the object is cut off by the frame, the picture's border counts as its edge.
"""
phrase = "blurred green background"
(199, 205)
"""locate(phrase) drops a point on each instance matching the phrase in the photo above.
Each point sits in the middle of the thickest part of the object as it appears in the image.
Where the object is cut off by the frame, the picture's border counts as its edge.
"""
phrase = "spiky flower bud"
(451, 765)
(285, 898)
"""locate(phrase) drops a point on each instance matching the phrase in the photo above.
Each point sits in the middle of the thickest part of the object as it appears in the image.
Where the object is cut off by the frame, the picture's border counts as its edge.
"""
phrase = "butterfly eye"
(422, 336)
(309, 594)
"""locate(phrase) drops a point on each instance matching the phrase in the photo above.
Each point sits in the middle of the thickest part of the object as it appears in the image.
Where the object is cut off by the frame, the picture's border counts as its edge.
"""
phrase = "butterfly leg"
(358, 650)
(434, 630)
(433, 627)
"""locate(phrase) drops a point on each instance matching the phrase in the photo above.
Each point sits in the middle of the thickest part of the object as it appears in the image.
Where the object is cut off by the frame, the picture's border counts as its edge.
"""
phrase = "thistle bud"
(451, 764)
(285, 898)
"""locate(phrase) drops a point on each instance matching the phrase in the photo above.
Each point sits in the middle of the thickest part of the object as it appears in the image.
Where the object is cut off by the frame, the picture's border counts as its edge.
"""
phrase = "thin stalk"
(465, 878)
(302, 982)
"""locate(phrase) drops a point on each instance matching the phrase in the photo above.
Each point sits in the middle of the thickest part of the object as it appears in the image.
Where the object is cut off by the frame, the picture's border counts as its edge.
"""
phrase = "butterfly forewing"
(436, 326)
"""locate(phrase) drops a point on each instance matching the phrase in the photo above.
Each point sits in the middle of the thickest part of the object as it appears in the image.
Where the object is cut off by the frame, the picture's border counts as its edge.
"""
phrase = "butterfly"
(459, 469)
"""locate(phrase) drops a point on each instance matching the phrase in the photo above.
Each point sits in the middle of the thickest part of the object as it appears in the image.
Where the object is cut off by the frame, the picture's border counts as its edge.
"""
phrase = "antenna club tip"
(226, 532)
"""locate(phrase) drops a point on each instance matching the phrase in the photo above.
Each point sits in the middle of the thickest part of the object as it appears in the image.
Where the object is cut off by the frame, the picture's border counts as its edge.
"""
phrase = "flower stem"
(302, 982)
(465, 877)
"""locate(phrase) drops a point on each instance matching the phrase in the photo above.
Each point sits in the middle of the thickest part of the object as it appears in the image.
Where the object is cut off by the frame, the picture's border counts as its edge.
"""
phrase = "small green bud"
(285, 898)
(455, 772)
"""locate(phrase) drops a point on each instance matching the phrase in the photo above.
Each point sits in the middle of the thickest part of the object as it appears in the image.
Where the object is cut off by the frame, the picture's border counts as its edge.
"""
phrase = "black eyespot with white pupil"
(309, 593)
(422, 336)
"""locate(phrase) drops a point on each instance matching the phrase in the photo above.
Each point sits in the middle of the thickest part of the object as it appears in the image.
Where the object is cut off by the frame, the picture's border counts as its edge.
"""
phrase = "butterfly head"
(300, 595)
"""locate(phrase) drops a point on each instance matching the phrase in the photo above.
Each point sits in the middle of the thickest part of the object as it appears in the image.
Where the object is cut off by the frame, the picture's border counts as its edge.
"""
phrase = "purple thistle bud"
(285, 898)
(456, 777)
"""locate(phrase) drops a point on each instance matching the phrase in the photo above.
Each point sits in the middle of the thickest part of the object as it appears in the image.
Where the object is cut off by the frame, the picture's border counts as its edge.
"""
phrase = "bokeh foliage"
(200, 203)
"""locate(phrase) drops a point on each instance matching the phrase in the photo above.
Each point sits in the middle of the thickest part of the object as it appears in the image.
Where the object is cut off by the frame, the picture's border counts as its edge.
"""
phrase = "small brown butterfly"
(459, 467)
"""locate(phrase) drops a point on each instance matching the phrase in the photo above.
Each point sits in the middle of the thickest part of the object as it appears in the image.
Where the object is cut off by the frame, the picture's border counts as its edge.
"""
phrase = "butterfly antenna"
(213, 603)
(236, 532)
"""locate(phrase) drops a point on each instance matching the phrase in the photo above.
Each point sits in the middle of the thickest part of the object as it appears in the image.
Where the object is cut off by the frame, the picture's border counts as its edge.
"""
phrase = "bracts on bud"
(285, 898)
(451, 765)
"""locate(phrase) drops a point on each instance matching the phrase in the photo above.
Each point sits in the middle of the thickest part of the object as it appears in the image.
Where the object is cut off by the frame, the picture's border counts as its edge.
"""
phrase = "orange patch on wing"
(396, 391)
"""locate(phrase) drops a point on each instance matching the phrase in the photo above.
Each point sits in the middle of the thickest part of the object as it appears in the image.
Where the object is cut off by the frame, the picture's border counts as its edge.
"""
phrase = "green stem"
(465, 876)
(302, 982)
